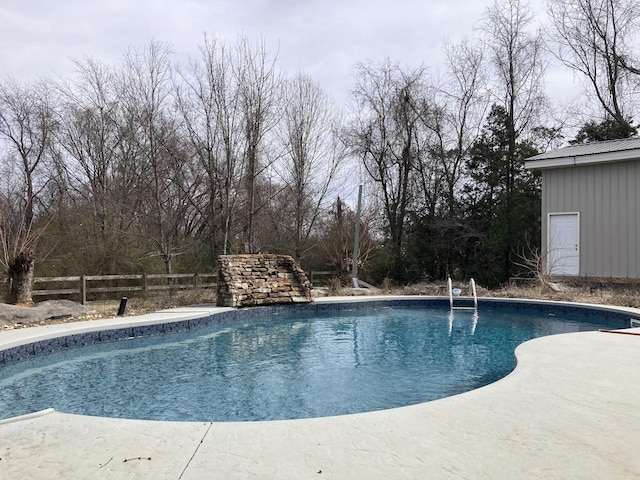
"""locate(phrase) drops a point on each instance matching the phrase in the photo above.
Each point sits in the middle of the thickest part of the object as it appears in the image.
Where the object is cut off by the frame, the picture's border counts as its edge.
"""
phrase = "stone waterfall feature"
(261, 279)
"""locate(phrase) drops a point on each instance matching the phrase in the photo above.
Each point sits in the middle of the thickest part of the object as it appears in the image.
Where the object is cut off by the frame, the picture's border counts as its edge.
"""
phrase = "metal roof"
(596, 152)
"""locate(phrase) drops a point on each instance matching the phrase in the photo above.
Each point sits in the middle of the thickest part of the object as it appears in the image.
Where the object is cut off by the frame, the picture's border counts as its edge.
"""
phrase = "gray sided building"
(591, 209)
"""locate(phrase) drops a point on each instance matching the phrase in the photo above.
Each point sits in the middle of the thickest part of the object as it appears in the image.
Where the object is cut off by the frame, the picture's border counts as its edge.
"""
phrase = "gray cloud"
(324, 38)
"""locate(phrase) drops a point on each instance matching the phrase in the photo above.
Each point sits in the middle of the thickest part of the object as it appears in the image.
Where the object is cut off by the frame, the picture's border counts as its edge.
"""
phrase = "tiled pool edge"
(80, 334)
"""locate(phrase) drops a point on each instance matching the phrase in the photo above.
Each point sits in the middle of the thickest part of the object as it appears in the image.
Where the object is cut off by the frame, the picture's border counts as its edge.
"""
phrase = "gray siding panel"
(588, 232)
(622, 207)
(545, 208)
(633, 227)
(603, 231)
(606, 196)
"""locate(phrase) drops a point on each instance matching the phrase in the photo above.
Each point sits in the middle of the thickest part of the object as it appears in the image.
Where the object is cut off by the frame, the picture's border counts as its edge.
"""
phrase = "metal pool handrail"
(472, 293)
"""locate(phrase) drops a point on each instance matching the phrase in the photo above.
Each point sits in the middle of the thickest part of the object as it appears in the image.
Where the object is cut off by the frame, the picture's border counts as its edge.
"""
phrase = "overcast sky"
(324, 38)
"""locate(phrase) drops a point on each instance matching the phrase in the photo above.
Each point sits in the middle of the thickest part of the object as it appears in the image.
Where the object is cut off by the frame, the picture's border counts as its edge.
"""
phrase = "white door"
(563, 248)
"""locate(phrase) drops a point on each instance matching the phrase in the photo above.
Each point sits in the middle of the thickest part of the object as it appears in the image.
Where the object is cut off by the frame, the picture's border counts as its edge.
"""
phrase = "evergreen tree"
(608, 129)
(502, 199)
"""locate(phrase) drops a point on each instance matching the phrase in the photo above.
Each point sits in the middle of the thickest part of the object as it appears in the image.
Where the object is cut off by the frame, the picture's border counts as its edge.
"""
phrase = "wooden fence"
(90, 286)
(85, 286)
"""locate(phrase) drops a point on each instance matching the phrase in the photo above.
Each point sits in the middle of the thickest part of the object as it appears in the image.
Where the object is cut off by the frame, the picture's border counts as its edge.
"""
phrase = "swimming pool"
(275, 363)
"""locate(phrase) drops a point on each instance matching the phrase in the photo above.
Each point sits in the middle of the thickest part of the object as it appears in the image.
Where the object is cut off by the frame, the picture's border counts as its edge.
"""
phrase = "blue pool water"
(281, 368)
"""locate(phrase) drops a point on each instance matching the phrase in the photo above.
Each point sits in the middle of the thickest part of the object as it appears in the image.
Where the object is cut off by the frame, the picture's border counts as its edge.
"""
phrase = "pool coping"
(570, 409)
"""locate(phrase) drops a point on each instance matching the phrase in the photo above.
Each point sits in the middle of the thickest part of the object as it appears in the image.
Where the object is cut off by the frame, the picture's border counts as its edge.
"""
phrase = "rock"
(556, 287)
(48, 310)
(261, 279)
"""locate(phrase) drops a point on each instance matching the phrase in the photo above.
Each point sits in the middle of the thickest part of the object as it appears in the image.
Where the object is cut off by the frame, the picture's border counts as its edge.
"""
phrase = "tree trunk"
(20, 274)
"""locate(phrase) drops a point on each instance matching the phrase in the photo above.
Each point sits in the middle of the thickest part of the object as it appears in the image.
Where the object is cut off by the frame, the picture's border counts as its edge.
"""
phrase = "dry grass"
(620, 295)
(592, 293)
(140, 306)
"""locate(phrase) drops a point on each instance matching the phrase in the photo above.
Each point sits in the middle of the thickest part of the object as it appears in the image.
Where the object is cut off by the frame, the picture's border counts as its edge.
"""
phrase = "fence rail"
(319, 277)
(84, 286)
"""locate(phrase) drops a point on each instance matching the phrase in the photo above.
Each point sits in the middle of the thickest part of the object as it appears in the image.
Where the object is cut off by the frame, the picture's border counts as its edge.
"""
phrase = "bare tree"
(386, 135)
(16, 236)
(209, 103)
(539, 265)
(311, 158)
(337, 238)
(452, 113)
(460, 107)
(148, 95)
(517, 57)
(27, 124)
(258, 81)
(593, 38)
(90, 135)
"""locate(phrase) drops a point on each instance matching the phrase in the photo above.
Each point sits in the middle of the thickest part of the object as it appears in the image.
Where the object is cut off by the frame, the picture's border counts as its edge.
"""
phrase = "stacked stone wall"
(261, 279)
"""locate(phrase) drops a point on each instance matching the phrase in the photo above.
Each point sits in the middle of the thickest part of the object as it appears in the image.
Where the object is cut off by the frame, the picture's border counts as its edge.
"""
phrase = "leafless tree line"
(147, 155)
(228, 154)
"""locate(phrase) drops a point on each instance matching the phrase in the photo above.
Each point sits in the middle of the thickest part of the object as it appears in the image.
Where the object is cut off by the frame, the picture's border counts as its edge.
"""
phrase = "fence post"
(83, 289)
(195, 281)
(144, 285)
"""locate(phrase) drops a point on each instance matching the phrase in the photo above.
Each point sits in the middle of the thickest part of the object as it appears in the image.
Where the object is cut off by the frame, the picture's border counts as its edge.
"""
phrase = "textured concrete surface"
(570, 410)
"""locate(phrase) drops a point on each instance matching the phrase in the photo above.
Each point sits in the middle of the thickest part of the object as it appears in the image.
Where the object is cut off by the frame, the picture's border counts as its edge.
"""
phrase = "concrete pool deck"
(570, 410)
